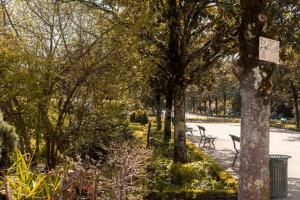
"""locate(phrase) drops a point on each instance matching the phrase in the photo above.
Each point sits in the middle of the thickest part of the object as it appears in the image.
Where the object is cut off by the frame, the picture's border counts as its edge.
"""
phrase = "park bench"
(208, 140)
(235, 139)
(189, 129)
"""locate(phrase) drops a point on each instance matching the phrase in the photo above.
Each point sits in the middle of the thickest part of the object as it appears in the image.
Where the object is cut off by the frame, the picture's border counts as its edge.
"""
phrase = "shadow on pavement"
(280, 130)
(293, 139)
(225, 156)
(293, 189)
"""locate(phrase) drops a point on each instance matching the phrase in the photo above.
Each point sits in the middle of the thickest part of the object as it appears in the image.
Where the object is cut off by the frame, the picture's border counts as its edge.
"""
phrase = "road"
(281, 142)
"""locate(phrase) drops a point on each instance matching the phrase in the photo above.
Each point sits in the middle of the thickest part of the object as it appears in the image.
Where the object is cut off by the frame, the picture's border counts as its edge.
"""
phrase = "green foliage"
(201, 178)
(139, 116)
(182, 174)
(109, 124)
(25, 184)
(188, 194)
(8, 141)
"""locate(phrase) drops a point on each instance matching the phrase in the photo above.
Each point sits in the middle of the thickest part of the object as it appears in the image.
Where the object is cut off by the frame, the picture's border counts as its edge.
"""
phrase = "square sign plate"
(269, 50)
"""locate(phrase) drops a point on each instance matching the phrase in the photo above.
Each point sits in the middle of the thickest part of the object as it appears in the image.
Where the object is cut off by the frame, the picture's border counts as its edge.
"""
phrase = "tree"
(258, 18)
(255, 78)
(59, 72)
(191, 51)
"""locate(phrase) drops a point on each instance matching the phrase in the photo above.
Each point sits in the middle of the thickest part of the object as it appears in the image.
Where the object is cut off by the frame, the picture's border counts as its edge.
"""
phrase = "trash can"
(278, 175)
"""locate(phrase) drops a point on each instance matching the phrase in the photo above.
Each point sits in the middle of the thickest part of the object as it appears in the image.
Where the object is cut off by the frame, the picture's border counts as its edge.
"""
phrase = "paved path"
(281, 142)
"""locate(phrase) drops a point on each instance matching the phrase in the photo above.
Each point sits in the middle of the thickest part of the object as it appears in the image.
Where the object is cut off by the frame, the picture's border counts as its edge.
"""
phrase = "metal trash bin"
(278, 166)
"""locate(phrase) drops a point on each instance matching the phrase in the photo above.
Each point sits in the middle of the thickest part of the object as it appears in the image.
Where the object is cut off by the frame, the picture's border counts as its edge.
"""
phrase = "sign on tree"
(269, 50)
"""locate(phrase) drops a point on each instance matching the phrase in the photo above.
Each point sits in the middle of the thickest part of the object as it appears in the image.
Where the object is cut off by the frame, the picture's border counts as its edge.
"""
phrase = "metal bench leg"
(204, 142)
(213, 144)
(235, 157)
(200, 141)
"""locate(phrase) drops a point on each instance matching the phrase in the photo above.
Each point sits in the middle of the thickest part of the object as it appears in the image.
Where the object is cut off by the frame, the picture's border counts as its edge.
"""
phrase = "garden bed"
(200, 178)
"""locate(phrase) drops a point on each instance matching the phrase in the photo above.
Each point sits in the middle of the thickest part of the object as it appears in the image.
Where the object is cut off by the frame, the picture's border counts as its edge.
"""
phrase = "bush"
(8, 142)
(192, 195)
(182, 174)
(202, 178)
(26, 184)
(109, 123)
(139, 116)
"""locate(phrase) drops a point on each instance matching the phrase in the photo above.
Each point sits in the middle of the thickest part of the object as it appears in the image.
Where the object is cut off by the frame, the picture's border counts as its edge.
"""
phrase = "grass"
(197, 178)
(287, 126)
(214, 120)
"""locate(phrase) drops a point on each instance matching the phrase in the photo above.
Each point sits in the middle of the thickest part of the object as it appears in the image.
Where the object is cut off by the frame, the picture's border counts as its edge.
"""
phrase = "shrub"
(202, 178)
(8, 142)
(192, 195)
(182, 174)
(139, 116)
(21, 182)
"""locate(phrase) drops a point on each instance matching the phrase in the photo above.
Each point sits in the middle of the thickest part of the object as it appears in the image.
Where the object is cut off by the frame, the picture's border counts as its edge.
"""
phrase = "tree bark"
(217, 106)
(254, 163)
(295, 99)
(168, 113)
(209, 106)
(205, 108)
(180, 152)
(255, 78)
(225, 104)
(176, 57)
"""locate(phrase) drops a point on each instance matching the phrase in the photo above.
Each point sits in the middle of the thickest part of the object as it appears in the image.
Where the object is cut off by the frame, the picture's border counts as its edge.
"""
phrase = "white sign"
(269, 50)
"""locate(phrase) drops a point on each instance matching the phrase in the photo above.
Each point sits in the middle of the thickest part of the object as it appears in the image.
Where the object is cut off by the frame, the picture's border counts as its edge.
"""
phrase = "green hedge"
(139, 116)
(192, 194)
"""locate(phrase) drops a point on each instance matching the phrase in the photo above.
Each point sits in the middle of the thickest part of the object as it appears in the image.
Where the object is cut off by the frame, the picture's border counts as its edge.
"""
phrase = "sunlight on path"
(281, 142)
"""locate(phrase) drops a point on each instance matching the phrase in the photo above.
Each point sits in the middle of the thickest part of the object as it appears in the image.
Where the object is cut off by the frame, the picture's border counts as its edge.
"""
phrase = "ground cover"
(200, 178)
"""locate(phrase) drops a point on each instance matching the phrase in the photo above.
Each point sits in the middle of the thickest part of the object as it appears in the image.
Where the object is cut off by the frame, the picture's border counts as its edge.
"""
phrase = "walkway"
(281, 142)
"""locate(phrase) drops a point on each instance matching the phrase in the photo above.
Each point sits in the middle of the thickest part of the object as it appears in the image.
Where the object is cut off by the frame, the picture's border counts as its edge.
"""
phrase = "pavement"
(281, 142)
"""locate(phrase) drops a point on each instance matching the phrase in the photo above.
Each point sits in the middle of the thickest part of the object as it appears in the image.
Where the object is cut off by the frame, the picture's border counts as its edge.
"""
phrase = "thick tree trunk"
(168, 113)
(158, 110)
(254, 163)
(295, 99)
(180, 152)
(176, 57)
(255, 79)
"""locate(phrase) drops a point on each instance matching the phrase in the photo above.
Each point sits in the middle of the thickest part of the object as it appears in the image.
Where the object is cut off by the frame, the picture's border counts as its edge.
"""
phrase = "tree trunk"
(176, 56)
(295, 99)
(51, 152)
(205, 107)
(217, 106)
(255, 79)
(168, 113)
(49, 136)
(158, 110)
(254, 163)
(180, 152)
(209, 106)
(225, 104)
